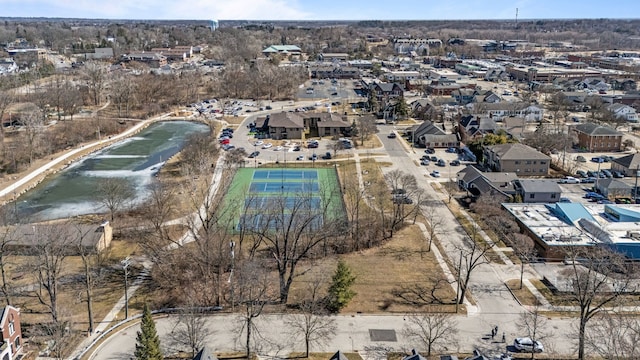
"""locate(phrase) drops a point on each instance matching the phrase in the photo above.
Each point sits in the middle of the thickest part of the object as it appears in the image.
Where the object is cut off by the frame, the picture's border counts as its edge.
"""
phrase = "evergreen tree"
(147, 341)
(340, 292)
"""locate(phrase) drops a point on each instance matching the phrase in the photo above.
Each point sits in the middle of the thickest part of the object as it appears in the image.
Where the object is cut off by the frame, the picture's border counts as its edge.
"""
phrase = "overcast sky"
(320, 9)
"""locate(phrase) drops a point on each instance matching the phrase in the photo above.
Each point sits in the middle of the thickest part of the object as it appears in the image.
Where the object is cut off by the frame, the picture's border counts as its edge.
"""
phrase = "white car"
(570, 180)
(435, 173)
(278, 148)
(266, 146)
(258, 143)
(525, 344)
(301, 157)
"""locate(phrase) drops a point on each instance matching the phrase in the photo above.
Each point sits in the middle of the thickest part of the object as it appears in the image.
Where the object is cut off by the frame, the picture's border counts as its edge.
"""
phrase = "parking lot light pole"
(125, 266)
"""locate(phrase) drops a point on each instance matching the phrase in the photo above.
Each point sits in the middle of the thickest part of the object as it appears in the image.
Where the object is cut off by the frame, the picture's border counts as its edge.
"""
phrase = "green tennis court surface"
(257, 195)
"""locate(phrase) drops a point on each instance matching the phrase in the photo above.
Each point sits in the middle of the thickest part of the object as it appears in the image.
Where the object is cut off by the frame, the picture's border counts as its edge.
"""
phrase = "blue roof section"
(571, 212)
(630, 215)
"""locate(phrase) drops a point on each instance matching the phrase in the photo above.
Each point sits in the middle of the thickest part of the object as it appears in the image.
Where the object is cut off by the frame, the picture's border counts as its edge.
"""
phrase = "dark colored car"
(430, 151)
(582, 173)
(327, 156)
(254, 154)
(441, 163)
(455, 163)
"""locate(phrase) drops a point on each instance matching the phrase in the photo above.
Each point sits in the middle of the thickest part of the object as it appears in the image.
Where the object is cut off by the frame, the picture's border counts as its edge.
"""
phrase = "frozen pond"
(72, 192)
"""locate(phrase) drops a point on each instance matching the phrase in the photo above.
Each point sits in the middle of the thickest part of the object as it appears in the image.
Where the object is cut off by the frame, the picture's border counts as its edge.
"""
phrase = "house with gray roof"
(501, 109)
(597, 138)
(516, 158)
(429, 135)
(538, 190)
(625, 112)
(286, 50)
(613, 188)
(285, 125)
(628, 165)
(478, 183)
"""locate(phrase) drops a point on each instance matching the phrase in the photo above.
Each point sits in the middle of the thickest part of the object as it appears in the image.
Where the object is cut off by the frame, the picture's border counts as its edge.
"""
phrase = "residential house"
(593, 84)
(327, 124)
(283, 125)
(625, 112)
(205, 354)
(429, 135)
(478, 126)
(464, 96)
(414, 356)
(383, 92)
(515, 127)
(478, 183)
(11, 333)
(613, 188)
(333, 57)
(624, 84)
(90, 239)
(538, 190)
(176, 54)
(518, 158)
(421, 108)
(629, 165)
(339, 355)
(8, 66)
(499, 110)
(597, 138)
(442, 87)
(486, 97)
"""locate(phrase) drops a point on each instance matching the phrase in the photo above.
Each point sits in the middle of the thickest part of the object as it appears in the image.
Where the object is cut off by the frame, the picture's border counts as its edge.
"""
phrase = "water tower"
(214, 25)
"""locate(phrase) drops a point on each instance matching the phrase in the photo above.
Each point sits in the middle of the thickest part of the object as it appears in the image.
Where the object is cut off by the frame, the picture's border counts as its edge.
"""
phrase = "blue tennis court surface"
(287, 174)
(288, 202)
(287, 187)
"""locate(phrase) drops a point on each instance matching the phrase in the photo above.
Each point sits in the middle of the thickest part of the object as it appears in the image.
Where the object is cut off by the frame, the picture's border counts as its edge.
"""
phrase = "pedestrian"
(493, 333)
(504, 339)
(496, 329)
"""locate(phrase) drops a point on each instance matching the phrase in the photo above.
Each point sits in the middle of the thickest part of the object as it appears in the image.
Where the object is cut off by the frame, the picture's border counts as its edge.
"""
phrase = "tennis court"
(265, 193)
(288, 174)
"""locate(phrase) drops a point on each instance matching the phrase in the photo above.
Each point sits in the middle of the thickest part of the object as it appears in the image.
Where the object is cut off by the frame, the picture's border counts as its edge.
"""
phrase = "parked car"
(527, 345)
(267, 145)
(441, 162)
(392, 135)
(430, 151)
(607, 173)
(435, 173)
(597, 159)
(580, 158)
(313, 157)
(564, 200)
(605, 201)
(582, 173)
(254, 154)
(424, 162)
(591, 173)
(452, 150)
(258, 143)
(623, 201)
(433, 158)
(402, 200)
(301, 157)
(588, 180)
(455, 163)
(569, 180)
(617, 174)
(327, 156)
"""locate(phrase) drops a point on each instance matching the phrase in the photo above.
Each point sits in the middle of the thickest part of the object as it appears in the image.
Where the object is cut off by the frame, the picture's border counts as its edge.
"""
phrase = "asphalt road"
(492, 303)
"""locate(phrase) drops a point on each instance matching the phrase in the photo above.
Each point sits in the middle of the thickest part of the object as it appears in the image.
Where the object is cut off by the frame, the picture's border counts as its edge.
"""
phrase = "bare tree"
(534, 323)
(435, 223)
(431, 329)
(252, 294)
(114, 194)
(365, 127)
(190, 329)
(50, 246)
(614, 335)
(314, 322)
(7, 234)
(292, 229)
(122, 94)
(6, 100)
(406, 205)
(428, 291)
(525, 249)
(33, 125)
(597, 279)
(95, 74)
(472, 256)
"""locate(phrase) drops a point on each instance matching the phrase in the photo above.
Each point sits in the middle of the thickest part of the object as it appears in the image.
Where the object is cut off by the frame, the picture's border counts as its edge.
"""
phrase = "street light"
(125, 265)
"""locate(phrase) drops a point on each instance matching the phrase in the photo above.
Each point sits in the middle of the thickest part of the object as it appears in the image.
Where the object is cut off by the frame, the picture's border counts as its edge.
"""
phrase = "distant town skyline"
(321, 10)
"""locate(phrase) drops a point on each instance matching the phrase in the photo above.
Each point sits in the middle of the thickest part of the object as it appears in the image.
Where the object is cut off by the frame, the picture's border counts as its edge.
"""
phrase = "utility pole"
(458, 282)
(232, 245)
(635, 187)
(125, 266)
